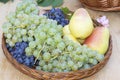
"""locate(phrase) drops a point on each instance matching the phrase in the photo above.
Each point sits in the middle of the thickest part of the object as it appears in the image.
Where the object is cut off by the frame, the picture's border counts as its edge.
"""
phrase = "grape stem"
(57, 56)
(40, 52)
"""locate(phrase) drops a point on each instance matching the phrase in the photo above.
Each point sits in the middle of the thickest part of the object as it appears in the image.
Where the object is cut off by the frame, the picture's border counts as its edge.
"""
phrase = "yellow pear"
(81, 25)
(67, 33)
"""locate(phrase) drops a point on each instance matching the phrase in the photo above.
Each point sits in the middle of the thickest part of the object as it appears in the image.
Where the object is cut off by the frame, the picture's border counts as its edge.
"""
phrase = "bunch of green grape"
(19, 23)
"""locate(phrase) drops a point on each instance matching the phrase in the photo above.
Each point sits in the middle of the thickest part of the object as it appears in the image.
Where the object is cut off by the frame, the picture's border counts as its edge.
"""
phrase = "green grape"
(59, 27)
(46, 28)
(19, 16)
(62, 58)
(81, 58)
(76, 58)
(49, 67)
(28, 50)
(32, 44)
(11, 43)
(79, 64)
(42, 63)
(33, 7)
(30, 32)
(54, 63)
(9, 35)
(84, 50)
(28, 10)
(30, 39)
(45, 68)
(18, 30)
(59, 70)
(33, 27)
(54, 25)
(72, 54)
(91, 53)
(11, 15)
(35, 12)
(52, 31)
(15, 38)
(70, 63)
(26, 22)
(70, 48)
(57, 37)
(36, 53)
(39, 46)
(99, 57)
(19, 7)
(86, 66)
(24, 38)
(63, 65)
(46, 56)
(78, 50)
(20, 40)
(68, 69)
(18, 35)
(23, 31)
(42, 35)
(93, 61)
(7, 40)
(36, 21)
(17, 22)
(65, 70)
(38, 68)
(24, 6)
(61, 45)
(69, 58)
(49, 41)
(74, 67)
(55, 70)
(58, 65)
(8, 25)
(55, 52)
(5, 30)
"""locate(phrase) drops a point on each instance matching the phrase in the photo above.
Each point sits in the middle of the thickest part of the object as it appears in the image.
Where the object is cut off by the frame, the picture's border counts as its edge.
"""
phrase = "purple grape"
(18, 52)
(58, 15)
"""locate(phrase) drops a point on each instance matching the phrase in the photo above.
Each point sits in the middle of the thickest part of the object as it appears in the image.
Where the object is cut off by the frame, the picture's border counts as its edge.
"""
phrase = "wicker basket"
(73, 75)
(102, 5)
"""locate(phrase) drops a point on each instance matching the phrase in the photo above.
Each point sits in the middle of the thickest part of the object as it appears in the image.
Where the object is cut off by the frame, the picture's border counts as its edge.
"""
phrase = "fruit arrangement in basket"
(53, 43)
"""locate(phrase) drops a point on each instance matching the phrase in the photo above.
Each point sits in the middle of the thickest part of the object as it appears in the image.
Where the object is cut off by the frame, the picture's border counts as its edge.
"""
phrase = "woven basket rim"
(46, 75)
(102, 9)
(112, 8)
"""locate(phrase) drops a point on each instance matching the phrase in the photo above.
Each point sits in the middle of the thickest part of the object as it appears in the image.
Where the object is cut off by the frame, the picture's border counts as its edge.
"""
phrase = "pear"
(67, 33)
(99, 40)
(81, 25)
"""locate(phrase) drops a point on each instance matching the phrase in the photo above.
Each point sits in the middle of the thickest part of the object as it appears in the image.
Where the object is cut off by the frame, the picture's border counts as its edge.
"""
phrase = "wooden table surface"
(110, 72)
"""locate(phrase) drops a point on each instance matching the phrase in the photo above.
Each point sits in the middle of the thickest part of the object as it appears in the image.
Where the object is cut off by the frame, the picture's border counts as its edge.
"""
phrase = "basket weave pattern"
(73, 75)
(102, 5)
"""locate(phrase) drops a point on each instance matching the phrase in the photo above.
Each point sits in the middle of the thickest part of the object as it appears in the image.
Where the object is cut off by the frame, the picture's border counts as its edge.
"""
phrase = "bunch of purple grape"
(18, 52)
(58, 15)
